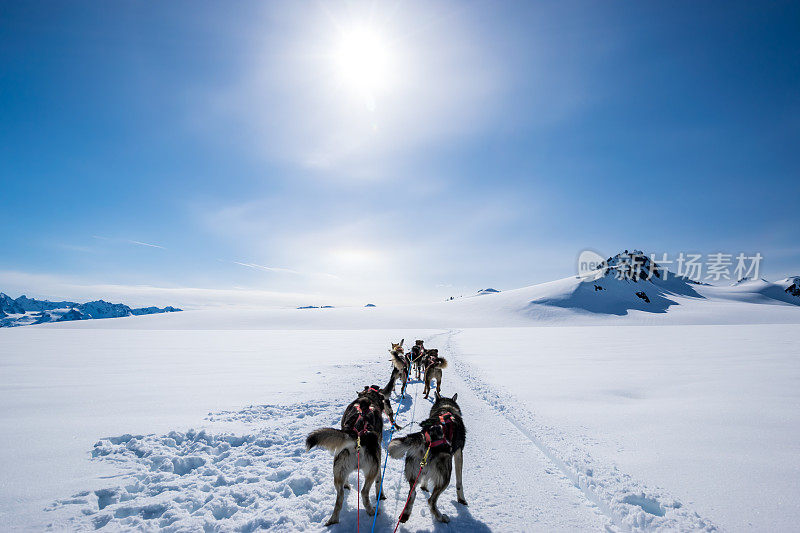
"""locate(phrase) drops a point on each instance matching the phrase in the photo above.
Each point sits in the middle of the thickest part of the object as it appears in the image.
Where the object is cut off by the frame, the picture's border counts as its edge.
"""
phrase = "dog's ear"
(455, 396)
(401, 342)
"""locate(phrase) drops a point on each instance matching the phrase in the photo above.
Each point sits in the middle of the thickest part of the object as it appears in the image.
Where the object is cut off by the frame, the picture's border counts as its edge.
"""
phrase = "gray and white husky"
(433, 370)
(401, 362)
(443, 436)
(362, 423)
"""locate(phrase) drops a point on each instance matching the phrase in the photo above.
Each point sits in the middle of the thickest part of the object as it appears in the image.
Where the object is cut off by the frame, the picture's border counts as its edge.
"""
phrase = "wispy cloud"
(128, 241)
(267, 268)
(255, 266)
(140, 243)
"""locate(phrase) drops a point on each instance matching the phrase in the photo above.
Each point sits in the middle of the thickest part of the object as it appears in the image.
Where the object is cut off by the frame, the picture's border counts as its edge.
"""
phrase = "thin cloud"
(129, 241)
(266, 268)
(140, 243)
(256, 266)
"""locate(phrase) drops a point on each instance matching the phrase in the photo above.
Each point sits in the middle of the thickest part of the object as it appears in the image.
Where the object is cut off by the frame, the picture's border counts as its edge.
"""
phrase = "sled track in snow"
(628, 505)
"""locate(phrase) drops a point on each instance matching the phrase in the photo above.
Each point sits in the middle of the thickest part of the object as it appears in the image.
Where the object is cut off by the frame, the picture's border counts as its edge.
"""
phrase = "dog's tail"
(399, 446)
(332, 439)
(439, 362)
(387, 390)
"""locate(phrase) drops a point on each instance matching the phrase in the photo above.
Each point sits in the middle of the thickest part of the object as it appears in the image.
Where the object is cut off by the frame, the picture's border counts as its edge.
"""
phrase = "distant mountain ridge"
(24, 311)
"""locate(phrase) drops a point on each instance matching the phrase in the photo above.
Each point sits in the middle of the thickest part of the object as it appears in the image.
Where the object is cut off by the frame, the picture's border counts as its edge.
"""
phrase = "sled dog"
(400, 361)
(417, 354)
(443, 436)
(433, 370)
(362, 423)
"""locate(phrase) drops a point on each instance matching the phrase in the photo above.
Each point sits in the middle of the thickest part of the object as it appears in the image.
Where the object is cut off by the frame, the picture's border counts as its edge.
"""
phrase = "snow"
(681, 416)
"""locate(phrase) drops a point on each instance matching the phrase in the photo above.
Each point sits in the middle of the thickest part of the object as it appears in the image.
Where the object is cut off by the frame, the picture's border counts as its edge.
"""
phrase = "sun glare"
(363, 61)
(354, 258)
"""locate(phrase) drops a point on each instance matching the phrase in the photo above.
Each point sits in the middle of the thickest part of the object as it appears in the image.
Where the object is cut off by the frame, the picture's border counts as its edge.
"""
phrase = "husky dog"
(417, 354)
(362, 424)
(400, 361)
(443, 436)
(433, 370)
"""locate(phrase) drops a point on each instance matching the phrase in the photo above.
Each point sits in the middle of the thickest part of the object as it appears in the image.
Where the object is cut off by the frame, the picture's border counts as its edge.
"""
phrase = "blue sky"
(197, 153)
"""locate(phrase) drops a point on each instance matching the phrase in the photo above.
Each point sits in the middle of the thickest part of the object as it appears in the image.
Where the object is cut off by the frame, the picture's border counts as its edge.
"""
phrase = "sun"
(363, 60)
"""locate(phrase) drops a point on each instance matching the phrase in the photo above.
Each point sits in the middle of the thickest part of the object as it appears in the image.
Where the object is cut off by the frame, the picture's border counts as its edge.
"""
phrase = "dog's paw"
(462, 501)
(332, 521)
(424, 489)
(445, 519)
(346, 486)
(404, 517)
(383, 496)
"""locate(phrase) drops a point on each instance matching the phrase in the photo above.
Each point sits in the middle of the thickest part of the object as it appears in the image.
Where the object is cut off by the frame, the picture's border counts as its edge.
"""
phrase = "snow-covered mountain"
(791, 285)
(25, 311)
(488, 291)
(630, 281)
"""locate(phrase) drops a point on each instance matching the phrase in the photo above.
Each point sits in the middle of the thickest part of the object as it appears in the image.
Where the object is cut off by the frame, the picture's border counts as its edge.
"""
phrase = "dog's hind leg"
(412, 495)
(459, 458)
(441, 466)
(432, 504)
(378, 481)
(411, 477)
(439, 382)
(343, 464)
(370, 468)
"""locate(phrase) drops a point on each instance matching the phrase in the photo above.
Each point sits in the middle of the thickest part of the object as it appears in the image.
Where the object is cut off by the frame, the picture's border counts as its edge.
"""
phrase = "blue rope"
(386, 460)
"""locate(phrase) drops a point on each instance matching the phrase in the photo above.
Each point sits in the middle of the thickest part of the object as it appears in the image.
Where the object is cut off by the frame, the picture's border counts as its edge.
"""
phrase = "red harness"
(434, 361)
(365, 426)
(448, 428)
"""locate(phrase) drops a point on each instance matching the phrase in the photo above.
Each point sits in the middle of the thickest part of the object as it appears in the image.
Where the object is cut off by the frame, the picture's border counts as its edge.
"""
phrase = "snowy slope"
(192, 420)
(653, 425)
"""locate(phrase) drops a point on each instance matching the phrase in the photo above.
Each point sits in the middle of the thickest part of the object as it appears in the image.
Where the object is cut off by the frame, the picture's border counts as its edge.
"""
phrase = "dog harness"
(361, 425)
(448, 428)
(434, 361)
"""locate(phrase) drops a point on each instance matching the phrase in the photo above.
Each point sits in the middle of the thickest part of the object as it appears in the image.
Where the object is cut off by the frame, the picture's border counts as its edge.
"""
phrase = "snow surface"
(684, 418)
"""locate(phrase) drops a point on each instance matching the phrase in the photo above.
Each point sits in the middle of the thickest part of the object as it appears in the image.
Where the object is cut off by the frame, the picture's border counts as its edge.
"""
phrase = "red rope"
(358, 485)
